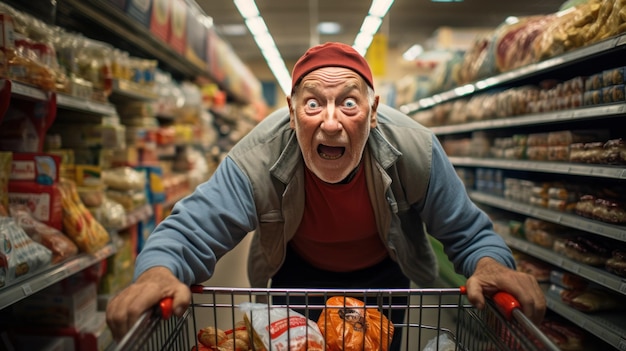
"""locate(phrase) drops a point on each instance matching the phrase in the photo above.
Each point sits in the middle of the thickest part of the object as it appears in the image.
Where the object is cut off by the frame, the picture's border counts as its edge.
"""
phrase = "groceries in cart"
(344, 324)
(348, 325)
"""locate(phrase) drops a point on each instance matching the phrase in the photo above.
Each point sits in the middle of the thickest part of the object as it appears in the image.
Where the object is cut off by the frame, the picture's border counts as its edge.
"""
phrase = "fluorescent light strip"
(257, 27)
(371, 24)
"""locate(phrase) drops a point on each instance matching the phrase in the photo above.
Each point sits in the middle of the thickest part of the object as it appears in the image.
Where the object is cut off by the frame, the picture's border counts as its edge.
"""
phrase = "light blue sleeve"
(202, 227)
(465, 231)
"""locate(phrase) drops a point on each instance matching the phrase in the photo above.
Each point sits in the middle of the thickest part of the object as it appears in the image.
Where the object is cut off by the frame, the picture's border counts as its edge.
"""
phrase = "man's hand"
(150, 288)
(490, 277)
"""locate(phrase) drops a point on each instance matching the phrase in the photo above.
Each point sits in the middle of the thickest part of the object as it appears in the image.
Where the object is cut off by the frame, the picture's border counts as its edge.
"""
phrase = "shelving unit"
(24, 288)
(607, 326)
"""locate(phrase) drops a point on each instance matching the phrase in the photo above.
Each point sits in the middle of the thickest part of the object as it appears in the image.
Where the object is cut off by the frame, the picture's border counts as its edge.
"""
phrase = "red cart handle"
(505, 302)
(166, 307)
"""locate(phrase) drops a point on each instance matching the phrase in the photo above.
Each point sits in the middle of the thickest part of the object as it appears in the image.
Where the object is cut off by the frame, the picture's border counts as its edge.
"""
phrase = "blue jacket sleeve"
(465, 231)
(202, 227)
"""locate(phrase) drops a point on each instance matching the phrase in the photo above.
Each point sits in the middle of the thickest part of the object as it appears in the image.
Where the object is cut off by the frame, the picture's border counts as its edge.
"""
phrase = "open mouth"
(330, 152)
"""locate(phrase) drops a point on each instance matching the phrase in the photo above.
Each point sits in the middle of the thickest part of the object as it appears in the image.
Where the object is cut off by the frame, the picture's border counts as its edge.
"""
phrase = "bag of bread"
(347, 324)
(280, 328)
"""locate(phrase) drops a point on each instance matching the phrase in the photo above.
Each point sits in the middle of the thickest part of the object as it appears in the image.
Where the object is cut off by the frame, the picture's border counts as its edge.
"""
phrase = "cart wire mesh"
(434, 319)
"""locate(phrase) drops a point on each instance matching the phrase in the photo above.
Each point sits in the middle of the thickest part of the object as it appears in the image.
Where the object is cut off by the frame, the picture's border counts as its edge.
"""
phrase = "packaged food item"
(19, 254)
(617, 263)
(568, 280)
(567, 336)
(60, 245)
(587, 300)
(615, 151)
(347, 324)
(586, 250)
(5, 171)
(78, 223)
(280, 328)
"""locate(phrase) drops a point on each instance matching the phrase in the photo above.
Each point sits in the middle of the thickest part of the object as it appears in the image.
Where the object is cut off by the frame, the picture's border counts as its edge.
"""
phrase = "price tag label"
(27, 290)
(622, 287)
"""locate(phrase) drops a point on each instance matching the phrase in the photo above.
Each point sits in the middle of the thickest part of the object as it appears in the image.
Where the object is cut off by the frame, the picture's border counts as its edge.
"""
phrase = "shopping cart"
(435, 319)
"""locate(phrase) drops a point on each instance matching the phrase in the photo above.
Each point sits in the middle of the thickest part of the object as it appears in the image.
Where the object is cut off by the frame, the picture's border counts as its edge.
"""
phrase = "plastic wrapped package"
(347, 324)
(58, 243)
(78, 223)
(19, 254)
(124, 178)
(279, 328)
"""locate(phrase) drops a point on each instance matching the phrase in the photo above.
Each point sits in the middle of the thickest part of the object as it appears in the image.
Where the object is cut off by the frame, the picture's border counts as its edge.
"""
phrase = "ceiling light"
(379, 8)
(413, 52)
(511, 20)
(328, 28)
(247, 8)
(232, 29)
(256, 25)
(371, 24)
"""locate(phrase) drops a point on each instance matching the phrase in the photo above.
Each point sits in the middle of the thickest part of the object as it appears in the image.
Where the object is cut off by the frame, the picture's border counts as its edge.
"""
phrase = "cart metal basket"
(434, 319)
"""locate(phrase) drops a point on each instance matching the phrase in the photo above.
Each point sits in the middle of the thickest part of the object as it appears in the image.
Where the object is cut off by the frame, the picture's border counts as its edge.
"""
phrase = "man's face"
(332, 117)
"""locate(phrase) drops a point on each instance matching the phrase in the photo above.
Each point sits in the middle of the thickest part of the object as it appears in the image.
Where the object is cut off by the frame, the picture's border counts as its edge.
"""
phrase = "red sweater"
(338, 229)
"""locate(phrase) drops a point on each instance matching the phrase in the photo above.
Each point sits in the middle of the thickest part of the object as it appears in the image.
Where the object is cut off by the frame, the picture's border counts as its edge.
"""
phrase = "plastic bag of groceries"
(347, 324)
(280, 328)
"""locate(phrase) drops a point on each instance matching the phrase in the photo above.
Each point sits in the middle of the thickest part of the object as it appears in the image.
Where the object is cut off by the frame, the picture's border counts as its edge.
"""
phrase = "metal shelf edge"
(566, 219)
(43, 279)
(596, 275)
(612, 334)
(595, 170)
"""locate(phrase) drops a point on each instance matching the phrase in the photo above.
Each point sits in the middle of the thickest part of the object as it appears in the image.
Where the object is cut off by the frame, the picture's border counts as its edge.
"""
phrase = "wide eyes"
(314, 104)
(311, 103)
(349, 103)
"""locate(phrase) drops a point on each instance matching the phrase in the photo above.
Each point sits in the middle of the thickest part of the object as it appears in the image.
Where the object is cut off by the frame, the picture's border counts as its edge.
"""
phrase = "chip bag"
(348, 325)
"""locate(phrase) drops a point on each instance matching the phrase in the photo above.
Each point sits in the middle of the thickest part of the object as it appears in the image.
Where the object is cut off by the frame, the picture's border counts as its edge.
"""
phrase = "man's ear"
(374, 116)
(292, 114)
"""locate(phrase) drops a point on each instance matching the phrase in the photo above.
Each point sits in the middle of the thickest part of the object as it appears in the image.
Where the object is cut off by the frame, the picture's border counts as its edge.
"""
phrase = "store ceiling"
(408, 21)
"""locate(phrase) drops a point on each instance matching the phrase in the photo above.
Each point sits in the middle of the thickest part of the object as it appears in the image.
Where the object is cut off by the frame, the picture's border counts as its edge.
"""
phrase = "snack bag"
(281, 329)
(348, 325)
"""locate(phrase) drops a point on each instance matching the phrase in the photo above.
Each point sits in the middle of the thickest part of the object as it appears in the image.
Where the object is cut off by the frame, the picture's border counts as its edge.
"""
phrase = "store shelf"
(593, 274)
(570, 220)
(559, 62)
(39, 281)
(608, 326)
(26, 91)
(616, 110)
(126, 90)
(69, 102)
(603, 171)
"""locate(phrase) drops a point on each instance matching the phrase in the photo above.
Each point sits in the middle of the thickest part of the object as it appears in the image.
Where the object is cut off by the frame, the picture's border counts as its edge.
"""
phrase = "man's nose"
(331, 123)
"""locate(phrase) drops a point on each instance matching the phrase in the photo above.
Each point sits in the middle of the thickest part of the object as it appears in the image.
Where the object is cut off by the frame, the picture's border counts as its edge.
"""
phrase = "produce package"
(347, 324)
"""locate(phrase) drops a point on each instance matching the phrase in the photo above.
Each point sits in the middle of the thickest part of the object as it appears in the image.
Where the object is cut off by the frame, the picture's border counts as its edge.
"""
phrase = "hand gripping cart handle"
(501, 325)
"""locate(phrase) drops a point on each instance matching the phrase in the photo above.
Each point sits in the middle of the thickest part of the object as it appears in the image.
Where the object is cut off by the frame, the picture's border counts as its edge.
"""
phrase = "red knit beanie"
(331, 55)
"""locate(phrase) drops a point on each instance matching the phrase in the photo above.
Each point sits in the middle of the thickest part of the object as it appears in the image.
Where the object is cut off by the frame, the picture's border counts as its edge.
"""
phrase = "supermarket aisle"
(231, 271)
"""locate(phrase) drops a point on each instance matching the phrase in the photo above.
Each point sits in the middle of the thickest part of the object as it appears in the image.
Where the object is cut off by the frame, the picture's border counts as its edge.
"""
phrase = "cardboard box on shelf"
(58, 305)
(139, 10)
(161, 19)
(178, 26)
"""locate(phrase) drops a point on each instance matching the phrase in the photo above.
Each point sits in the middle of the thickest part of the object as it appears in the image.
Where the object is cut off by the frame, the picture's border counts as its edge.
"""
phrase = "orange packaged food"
(347, 324)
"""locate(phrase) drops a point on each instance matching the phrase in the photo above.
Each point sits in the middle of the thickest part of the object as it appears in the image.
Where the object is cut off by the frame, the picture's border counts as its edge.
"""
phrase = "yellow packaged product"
(78, 223)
